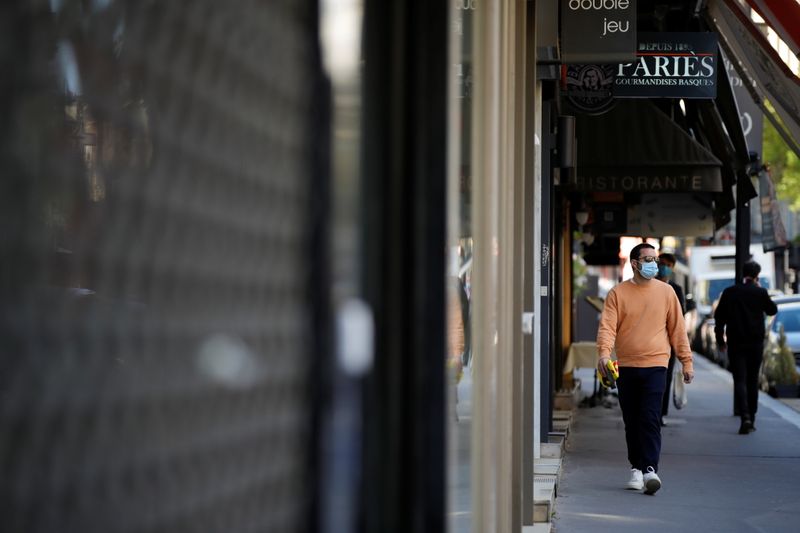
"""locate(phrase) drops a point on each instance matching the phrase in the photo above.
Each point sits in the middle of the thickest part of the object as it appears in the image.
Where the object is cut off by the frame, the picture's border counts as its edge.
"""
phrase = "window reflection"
(158, 162)
(459, 283)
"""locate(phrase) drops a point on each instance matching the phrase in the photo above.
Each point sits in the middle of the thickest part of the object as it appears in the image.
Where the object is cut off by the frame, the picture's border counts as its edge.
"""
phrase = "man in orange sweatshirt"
(641, 319)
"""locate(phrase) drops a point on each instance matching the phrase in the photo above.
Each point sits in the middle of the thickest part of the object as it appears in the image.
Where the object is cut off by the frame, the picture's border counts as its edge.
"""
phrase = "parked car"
(785, 298)
(788, 316)
(709, 343)
(787, 320)
(705, 341)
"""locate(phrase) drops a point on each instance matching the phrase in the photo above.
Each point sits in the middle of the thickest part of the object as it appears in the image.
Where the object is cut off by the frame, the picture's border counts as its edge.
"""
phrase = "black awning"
(635, 147)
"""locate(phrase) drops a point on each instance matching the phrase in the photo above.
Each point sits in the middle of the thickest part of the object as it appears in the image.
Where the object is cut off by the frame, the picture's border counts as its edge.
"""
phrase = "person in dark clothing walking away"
(641, 320)
(739, 328)
(666, 262)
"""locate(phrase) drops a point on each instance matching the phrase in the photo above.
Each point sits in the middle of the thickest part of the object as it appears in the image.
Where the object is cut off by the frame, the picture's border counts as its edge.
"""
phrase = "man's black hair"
(637, 250)
(669, 258)
(751, 269)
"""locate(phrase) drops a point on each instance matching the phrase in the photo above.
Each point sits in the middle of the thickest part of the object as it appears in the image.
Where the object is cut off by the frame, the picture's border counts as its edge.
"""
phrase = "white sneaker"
(635, 483)
(651, 481)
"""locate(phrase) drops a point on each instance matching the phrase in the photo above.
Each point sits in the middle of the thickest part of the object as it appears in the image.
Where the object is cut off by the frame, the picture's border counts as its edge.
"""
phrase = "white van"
(713, 268)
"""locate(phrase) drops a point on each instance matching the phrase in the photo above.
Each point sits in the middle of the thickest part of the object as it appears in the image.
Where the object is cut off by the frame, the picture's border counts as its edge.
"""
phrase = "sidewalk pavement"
(713, 479)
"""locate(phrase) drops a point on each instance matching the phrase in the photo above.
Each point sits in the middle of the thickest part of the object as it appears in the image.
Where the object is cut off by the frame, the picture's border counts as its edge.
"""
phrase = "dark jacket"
(679, 293)
(740, 313)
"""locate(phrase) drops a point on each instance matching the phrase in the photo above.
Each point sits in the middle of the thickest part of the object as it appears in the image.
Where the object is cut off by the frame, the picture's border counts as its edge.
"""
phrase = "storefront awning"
(766, 76)
(635, 147)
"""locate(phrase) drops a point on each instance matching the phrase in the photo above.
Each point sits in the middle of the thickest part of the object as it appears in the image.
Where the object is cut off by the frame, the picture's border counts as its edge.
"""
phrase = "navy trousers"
(641, 391)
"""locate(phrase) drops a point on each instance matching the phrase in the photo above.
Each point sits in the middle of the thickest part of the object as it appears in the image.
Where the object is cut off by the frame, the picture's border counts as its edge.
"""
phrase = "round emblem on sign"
(589, 87)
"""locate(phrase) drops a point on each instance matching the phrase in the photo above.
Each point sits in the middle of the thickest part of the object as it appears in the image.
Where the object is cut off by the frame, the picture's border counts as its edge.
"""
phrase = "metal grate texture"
(155, 337)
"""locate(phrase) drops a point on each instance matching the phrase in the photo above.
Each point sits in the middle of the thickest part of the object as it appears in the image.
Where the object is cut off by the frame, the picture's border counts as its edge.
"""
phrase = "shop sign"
(598, 31)
(749, 114)
(678, 214)
(668, 182)
(773, 233)
(588, 87)
(670, 65)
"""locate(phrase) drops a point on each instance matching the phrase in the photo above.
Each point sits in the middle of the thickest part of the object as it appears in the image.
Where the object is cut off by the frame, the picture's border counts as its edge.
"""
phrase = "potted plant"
(779, 368)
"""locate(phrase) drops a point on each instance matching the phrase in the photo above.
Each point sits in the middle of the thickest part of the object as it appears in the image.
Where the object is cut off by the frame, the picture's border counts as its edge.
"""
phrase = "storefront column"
(499, 132)
(529, 227)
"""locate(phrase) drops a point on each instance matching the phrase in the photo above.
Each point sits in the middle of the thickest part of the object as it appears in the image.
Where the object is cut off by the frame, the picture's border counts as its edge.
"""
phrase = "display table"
(582, 354)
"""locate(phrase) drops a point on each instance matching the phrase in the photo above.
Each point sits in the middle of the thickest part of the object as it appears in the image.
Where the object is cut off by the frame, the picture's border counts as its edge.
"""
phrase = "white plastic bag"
(679, 398)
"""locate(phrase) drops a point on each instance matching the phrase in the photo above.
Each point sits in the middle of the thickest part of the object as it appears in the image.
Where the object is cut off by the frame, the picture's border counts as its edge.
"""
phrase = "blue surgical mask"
(664, 271)
(648, 270)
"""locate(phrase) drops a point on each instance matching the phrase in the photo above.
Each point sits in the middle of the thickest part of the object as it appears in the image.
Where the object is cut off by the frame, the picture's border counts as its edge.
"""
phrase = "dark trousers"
(745, 363)
(668, 387)
(641, 391)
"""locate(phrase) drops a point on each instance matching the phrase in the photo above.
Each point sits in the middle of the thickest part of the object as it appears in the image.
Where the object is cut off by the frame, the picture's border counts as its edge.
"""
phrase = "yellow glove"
(612, 374)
